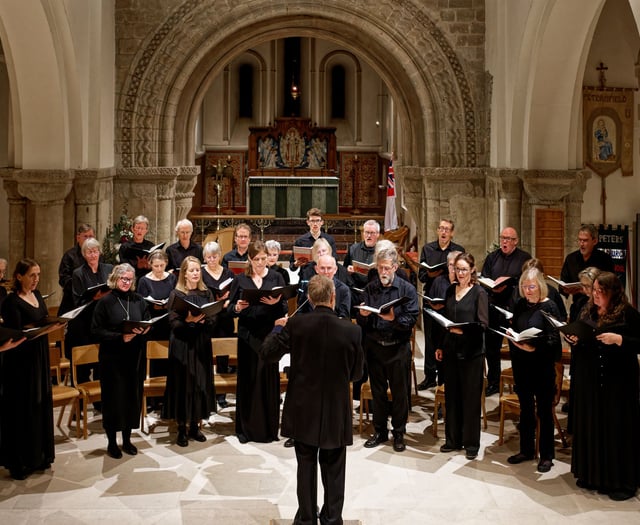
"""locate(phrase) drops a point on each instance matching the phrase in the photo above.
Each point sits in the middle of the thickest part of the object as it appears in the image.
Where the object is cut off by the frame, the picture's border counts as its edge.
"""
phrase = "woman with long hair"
(189, 397)
(606, 409)
(258, 392)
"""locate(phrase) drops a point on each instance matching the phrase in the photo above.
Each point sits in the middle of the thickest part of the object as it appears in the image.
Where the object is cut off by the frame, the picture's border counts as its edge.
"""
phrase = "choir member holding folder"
(136, 252)
(258, 392)
(189, 397)
(462, 350)
(122, 357)
(26, 420)
(606, 411)
(533, 361)
(155, 287)
(88, 284)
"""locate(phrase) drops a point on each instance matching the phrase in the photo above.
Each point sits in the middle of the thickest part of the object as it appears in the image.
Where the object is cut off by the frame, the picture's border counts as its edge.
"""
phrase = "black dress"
(122, 365)
(258, 392)
(464, 366)
(224, 320)
(534, 375)
(606, 411)
(190, 394)
(26, 407)
(158, 290)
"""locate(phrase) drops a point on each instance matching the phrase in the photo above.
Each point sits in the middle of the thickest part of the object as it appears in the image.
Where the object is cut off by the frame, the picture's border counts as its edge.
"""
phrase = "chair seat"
(63, 394)
(90, 388)
(225, 383)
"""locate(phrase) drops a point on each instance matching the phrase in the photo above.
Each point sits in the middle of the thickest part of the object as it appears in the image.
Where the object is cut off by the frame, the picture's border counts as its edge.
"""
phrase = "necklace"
(126, 310)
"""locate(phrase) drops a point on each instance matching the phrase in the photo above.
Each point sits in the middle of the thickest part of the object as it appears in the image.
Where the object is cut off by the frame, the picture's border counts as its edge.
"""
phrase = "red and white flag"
(390, 216)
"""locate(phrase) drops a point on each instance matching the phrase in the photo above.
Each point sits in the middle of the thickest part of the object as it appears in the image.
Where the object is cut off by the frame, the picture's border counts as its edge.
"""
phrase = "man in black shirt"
(315, 222)
(71, 260)
(178, 251)
(506, 261)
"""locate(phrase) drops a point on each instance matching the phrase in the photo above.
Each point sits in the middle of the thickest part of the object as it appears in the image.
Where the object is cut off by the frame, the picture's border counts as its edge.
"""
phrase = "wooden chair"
(439, 403)
(225, 383)
(153, 386)
(56, 339)
(414, 375)
(89, 390)
(506, 380)
(510, 403)
(224, 237)
(63, 395)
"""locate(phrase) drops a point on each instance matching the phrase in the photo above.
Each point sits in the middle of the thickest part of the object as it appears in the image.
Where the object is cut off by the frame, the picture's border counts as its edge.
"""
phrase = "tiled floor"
(224, 482)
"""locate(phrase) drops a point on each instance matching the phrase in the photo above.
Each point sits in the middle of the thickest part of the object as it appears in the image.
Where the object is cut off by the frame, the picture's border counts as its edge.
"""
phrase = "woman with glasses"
(258, 391)
(462, 351)
(606, 410)
(122, 358)
(533, 361)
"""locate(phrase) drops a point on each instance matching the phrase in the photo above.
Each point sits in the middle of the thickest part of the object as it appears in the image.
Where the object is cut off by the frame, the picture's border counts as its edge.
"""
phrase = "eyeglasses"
(385, 269)
(530, 287)
(242, 236)
(444, 229)
(462, 270)
(371, 233)
(126, 280)
(314, 220)
(598, 291)
(508, 239)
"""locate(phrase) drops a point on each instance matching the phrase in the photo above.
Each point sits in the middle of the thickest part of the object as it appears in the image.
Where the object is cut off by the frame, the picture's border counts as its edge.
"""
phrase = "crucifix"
(603, 80)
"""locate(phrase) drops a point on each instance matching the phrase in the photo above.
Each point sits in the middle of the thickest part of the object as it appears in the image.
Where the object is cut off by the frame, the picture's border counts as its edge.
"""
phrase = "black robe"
(26, 406)
(158, 290)
(122, 365)
(258, 392)
(190, 393)
(606, 410)
(224, 320)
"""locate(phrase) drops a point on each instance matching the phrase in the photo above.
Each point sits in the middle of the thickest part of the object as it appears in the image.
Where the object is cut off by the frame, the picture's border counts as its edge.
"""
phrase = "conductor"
(326, 355)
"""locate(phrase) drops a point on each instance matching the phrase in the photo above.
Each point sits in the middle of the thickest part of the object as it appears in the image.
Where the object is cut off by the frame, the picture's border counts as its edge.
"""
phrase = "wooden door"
(549, 236)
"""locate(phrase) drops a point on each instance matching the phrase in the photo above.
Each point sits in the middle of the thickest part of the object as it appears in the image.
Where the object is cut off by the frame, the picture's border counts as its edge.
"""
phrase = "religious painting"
(224, 181)
(292, 151)
(608, 130)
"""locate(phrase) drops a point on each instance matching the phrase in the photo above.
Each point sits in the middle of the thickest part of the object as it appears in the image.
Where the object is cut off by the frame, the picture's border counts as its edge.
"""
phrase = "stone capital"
(44, 186)
(551, 186)
(90, 185)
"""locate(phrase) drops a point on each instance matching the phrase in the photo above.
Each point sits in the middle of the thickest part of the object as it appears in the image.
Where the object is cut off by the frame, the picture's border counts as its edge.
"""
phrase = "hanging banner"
(608, 129)
(615, 242)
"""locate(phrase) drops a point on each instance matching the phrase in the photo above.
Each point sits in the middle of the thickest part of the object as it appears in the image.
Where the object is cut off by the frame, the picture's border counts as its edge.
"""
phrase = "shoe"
(565, 408)
(621, 494)
(129, 448)
(196, 434)
(376, 439)
(223, 403)
(519, 458)
(243, 439)
(398, 442)
(45, 465)
(545, 465)
(289, 443)
(471, 455)
(446, 448)
(491, 389)
(114, 451)
(584, 485)
(19, 473)
(182, 440)
(426, 384)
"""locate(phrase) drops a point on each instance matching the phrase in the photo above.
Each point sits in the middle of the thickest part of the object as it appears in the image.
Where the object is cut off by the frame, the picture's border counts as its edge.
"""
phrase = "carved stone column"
(187, 180)
(47, 190)
(93, 198)
(17, 219)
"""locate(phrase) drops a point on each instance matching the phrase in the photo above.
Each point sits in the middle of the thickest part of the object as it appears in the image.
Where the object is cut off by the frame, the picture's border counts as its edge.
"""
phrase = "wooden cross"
(603, 80)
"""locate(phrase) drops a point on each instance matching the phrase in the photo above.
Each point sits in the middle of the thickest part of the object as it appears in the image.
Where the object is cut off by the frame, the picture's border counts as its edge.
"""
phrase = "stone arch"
(354, 64)
(167, 79)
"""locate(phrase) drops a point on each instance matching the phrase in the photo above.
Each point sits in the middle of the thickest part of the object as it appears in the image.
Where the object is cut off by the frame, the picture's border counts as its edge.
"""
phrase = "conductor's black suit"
(326, 355)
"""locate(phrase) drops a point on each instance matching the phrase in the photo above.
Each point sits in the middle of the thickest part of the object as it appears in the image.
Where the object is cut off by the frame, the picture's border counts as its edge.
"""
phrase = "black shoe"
(289, 443)
(448, 448)
(19, 473)
(426, 384)
(544, 465)
(621, 494)
(223, 403)
(114, 451)
(129, 448)
(196, 434)
(565, 408)
(398, 442)
(491, 389)
(471, 454)
(182, 440)
(584, 485)
(376, 439)
(519, 458)
(243, 439)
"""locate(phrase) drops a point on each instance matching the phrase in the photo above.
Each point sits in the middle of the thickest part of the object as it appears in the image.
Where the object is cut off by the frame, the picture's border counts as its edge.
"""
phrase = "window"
(338, 92)
(245, 91)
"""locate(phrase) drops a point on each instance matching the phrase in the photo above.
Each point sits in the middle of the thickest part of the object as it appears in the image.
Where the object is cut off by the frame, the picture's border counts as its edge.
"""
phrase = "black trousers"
(332, 470)
(393, 373)
(462, 400)
(493, 344)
